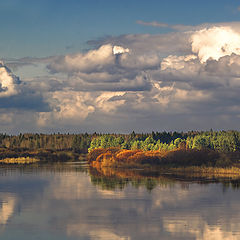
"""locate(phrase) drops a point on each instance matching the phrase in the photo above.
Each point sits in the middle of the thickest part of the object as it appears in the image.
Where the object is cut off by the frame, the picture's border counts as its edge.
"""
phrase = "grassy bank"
(204, 160)
(195, 172)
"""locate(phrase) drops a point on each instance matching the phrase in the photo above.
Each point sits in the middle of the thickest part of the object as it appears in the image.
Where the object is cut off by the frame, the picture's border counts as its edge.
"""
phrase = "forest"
(223, 141)
(68, 146)
(45, 147)
(210, 149)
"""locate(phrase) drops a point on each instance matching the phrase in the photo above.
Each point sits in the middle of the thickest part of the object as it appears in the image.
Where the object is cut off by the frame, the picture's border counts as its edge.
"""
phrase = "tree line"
(224, 141)
(56, 142)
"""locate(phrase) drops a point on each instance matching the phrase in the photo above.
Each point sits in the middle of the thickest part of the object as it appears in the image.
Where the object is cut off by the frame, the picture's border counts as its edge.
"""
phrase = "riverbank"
(203, 161)
(17, 156)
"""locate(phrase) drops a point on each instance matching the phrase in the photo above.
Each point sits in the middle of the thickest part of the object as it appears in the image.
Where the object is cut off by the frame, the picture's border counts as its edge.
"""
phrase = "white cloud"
(104, 102)
(76, 106)
(215, 42)
(176, 62)
(93, 60)
(67, 106)
(151, 79)
(8, 82)
(120, 50)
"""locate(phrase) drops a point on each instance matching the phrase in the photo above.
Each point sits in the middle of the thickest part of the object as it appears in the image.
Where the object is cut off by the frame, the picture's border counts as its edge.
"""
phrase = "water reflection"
(70, 201)
(7, 204)
(110, 179)
(197, 228)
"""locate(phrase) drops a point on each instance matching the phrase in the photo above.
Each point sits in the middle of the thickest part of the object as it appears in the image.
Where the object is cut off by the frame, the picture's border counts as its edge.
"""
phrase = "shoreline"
(179, 161)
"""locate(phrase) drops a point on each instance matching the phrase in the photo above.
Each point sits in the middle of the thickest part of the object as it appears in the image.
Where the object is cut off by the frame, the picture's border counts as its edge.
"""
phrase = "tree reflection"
(112, 178)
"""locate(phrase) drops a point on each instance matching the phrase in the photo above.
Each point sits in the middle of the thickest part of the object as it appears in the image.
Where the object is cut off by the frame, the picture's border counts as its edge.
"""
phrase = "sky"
(118, 66)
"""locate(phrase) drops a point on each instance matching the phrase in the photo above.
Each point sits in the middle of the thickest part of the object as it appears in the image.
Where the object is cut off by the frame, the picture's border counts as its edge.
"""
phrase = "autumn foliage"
(114, 157)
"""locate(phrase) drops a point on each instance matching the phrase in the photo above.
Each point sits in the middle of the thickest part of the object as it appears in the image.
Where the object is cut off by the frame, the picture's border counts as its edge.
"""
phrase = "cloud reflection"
(198, 228)
(8, 202)
(69, 205)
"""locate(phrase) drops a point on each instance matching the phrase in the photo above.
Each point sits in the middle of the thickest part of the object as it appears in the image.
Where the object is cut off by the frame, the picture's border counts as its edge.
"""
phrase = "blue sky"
(44, 28)
(119, 66)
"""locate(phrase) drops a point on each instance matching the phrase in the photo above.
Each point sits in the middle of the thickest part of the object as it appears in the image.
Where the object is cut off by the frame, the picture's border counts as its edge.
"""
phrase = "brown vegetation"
(181, 157)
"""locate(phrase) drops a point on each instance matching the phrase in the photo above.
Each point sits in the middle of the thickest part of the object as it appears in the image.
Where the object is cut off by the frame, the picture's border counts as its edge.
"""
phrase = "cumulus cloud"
(98, 60)
(77, 106)
(8, 82)
(227, 66)
(107, 103)
(215, 62)
(110, 82)
(93, 60)
(119, 50)
(176, 62)
(108, 68)
(215, 42)
(66, 105)
(16, 94)
(164, 81)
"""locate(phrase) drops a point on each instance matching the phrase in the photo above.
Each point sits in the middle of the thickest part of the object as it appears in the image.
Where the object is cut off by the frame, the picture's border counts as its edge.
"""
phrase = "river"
(68, 201)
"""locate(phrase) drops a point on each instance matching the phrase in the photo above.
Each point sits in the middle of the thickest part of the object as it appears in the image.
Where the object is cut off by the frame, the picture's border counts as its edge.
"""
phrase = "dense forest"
(225, 141)
(45, 147)
(200, 149)
(147, 146)
(56, 142)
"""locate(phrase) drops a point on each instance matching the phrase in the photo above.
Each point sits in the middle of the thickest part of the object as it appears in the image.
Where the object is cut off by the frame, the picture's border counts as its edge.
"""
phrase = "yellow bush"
(19, 160)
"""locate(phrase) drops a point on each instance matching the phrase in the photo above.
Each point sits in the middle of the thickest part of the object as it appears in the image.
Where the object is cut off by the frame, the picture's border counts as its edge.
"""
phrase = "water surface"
(67, 201)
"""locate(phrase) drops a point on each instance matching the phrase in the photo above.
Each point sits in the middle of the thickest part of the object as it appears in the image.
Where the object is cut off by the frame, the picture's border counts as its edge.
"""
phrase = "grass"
(19, 160)
(205, 172)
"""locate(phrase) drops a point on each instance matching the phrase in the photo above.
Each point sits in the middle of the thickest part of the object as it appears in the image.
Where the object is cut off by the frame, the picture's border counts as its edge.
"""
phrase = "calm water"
(67, 202)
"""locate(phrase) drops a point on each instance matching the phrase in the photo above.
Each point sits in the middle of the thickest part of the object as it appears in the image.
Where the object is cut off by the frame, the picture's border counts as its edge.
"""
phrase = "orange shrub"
(177, 157)
(93, 155)
(107, 159)
(123, 155)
